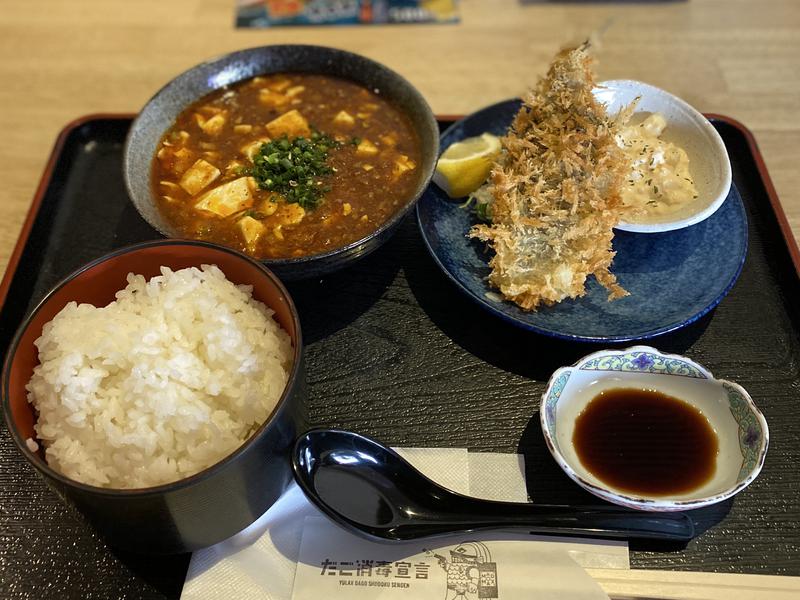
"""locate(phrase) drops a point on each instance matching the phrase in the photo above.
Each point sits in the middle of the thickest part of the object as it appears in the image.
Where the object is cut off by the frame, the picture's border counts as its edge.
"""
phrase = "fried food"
(556, 191)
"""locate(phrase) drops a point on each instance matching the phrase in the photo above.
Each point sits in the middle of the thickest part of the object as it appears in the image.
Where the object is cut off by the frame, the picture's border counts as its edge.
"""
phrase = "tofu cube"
(402, 165)
(177, 138)
(228, 198)
(344, 118)
(290, 213)
(366, 148)
(182, 160)
(291, 124)
(268, 207)
(251, 230)
(176, 160)
(242, 128)
(233, 167)
(272, 99)
(214, 125)
(169, 186)
(280, 84)
(295, 90)
(198, 177)
(251, 149)
(390, 139)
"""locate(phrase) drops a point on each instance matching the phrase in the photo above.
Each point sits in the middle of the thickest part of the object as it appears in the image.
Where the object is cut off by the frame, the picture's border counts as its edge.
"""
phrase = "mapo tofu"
(286, 165)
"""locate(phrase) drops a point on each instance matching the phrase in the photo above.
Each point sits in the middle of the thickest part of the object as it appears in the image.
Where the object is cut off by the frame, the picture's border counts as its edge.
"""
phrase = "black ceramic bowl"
(161, 111)
(212, 505)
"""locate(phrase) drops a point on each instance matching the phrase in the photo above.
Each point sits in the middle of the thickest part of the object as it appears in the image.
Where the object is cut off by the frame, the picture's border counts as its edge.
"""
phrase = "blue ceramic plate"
(674, 278)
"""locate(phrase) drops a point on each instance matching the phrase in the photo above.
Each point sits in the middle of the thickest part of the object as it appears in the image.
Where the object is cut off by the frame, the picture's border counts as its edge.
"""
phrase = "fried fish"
(556, 191)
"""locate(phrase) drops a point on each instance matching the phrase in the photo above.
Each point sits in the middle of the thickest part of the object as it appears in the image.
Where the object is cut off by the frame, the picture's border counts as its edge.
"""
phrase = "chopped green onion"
(295, 168)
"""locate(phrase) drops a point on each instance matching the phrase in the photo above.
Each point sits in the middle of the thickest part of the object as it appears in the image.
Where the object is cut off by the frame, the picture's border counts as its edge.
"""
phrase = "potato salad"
(660, 181)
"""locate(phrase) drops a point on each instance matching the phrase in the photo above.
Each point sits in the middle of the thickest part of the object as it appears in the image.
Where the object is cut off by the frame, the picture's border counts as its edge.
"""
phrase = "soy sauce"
(643, 442)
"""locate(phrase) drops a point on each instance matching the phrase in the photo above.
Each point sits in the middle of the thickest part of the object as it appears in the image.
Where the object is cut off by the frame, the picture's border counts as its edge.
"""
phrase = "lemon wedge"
(465, 165)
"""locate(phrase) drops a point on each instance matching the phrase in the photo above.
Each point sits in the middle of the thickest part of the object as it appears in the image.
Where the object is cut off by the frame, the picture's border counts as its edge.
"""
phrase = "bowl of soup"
(305, 158)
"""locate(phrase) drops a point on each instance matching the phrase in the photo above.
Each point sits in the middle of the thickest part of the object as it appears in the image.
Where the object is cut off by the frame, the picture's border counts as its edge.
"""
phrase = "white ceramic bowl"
(687, 128)
(740, 427)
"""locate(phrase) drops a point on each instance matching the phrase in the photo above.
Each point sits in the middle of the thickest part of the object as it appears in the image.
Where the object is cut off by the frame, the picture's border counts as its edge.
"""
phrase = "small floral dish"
(741, 429)
(709, 164)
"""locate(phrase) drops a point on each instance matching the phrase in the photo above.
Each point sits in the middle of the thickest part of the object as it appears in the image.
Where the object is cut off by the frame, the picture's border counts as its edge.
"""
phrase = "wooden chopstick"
(637, 584)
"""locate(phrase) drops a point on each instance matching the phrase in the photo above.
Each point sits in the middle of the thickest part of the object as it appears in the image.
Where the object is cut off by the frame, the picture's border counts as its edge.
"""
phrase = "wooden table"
(60, 60)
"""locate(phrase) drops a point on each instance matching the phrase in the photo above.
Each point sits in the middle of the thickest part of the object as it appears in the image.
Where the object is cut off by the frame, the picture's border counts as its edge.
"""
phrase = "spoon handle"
(600, 521)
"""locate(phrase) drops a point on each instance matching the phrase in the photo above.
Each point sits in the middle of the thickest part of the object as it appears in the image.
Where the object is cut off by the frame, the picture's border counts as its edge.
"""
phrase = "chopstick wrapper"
(261, 562)
(334, 564)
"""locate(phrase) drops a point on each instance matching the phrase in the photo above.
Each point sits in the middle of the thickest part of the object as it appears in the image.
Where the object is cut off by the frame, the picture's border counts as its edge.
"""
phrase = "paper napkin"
(261, 561)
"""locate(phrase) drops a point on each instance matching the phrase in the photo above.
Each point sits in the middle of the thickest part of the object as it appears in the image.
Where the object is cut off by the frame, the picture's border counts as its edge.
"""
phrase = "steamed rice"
(163, 382)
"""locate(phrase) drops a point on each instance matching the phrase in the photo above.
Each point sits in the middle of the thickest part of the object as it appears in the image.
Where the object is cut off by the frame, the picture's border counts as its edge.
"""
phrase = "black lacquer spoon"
(372, 490)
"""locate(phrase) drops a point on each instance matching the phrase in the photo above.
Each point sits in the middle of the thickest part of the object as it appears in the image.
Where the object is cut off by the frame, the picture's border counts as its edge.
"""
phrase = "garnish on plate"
(465, 165)
(479, 203)
(295, 167)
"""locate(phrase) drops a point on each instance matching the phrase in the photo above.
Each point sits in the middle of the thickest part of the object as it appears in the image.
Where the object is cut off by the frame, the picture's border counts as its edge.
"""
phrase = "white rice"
(163, 382)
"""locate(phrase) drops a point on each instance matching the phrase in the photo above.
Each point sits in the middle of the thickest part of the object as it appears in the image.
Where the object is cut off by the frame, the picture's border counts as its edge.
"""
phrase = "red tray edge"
(772, 194)
(44, 182)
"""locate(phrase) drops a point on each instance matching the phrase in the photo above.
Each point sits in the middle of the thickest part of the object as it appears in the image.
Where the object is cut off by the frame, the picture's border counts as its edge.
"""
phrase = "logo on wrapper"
(471, 573)
(333, 564)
